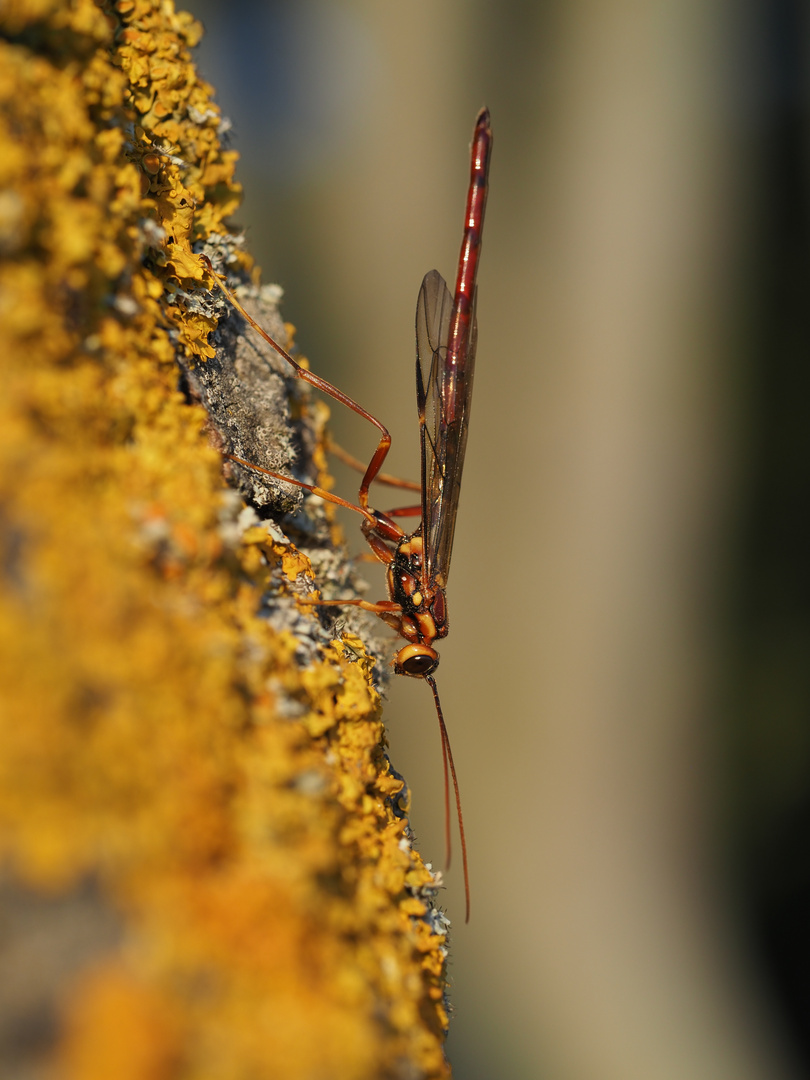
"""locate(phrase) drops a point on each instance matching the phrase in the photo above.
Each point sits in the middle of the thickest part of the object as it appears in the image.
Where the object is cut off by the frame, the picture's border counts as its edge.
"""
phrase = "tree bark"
(197, 815)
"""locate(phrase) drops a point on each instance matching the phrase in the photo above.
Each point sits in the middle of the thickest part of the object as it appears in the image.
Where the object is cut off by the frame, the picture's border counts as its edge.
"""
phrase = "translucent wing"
(443, 391)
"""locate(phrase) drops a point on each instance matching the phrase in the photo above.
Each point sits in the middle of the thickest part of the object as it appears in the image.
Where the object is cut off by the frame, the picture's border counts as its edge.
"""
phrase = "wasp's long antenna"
(448, 756)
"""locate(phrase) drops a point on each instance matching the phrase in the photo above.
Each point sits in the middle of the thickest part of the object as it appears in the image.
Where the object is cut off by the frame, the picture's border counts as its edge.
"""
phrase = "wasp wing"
(443, 391)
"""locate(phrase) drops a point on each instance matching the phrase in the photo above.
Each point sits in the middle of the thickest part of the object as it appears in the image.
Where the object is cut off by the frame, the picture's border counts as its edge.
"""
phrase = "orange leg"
(387, 610)
(375, 520)
(384, 607)
(405, 511)
(373, 468)
(380, 478)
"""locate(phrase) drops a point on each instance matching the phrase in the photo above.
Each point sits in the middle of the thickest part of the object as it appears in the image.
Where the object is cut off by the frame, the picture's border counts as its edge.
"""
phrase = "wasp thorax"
(424, 608)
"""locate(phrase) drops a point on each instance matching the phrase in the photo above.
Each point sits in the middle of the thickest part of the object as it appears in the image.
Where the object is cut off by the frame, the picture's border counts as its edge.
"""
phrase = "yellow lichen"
(157, 735)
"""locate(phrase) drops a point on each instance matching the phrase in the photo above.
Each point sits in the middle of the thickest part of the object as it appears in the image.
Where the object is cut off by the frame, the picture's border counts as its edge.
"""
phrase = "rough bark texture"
(205, 863)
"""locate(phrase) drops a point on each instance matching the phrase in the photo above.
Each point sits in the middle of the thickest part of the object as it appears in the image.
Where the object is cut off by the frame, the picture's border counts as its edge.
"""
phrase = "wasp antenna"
(448, 849)
(449, 758)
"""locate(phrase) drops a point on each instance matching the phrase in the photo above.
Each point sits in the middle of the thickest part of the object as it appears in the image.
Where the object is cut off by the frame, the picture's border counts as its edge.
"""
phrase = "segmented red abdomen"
(464, 296)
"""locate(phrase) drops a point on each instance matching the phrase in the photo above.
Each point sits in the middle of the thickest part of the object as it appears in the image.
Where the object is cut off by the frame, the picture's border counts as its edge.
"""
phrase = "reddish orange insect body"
(418, 563)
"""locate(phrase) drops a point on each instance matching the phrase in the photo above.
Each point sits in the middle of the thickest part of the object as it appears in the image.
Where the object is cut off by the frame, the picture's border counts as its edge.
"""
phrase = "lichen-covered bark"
(197, 816)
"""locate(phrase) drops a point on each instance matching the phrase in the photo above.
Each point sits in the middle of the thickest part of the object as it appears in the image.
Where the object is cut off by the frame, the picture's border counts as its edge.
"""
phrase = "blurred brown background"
(627, 680)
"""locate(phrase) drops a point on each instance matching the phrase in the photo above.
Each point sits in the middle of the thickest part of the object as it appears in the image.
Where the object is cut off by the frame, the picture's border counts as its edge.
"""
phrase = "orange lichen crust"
(214, 778)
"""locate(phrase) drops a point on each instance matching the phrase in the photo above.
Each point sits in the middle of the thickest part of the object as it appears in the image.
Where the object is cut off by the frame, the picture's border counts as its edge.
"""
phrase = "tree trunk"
(207, 865)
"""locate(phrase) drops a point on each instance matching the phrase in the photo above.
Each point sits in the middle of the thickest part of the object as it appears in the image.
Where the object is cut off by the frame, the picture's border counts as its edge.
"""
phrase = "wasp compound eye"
(417, 660)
